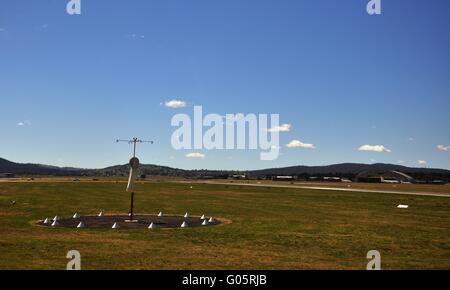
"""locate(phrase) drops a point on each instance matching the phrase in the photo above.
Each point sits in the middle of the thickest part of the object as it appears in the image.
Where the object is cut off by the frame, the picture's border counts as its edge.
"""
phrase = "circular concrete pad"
(143, 221)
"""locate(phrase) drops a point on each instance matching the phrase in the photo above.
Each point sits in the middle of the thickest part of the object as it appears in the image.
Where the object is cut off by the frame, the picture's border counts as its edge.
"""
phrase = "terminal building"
(384, 177)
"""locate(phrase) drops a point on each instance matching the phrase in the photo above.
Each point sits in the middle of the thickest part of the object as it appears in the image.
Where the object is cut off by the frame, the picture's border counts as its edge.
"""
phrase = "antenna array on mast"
(134, 141)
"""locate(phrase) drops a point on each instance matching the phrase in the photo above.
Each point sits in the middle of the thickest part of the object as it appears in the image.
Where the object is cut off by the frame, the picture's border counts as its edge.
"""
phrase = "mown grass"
(272, 228)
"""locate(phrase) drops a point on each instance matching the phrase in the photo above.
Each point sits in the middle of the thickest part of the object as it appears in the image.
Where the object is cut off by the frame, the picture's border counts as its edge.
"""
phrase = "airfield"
(271, 225)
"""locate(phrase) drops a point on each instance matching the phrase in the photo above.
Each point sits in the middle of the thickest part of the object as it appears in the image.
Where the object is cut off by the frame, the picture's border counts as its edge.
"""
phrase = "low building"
(383, 177)
(283, 178)
(332, 179)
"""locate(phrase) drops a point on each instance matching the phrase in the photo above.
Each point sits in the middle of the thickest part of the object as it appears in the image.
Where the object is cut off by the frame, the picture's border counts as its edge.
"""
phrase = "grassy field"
(272, 228)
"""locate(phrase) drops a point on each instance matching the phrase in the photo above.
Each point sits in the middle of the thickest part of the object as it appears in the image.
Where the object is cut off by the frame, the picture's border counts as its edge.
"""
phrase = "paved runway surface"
(334, 189)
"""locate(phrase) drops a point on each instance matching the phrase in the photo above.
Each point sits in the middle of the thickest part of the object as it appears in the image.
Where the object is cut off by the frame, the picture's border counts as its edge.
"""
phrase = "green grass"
(272, 228)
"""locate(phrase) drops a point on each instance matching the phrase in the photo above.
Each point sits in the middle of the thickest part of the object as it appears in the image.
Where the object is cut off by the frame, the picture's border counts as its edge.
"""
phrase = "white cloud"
(134, 36)
(24, 123)
(282, 128)
(443, 147)
(299, 144)
(374, 148)
(422, 162)
(196, 155)
(175, 104)
(400, 162)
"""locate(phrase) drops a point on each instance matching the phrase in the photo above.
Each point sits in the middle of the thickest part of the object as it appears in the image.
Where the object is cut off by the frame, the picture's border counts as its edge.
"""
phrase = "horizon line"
(243, 170)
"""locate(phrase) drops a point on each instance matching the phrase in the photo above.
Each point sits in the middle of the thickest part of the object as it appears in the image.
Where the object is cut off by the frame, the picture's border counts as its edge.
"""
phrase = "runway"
(334, 189)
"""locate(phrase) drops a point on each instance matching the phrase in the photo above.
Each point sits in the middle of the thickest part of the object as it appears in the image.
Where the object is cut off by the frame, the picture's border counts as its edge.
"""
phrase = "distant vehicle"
(439, 182)
(392, 181)
(283, 178)
(7, 175)
(239, 176)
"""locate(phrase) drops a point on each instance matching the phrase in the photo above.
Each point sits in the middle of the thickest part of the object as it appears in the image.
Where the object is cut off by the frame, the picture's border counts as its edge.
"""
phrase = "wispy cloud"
(136, 36)
(196, 155)
(374, 148)
(443, 148)
(44, 26)
(175, 104)
(300, 144)
(282, 128)
(24, 123)
(422, 162)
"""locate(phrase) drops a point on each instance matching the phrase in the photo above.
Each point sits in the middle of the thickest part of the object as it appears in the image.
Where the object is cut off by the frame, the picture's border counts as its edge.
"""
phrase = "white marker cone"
(202, 217)
(160, 214)
(55, 223)
(56, 218)
(402, 206)
(81, 225)
(184, 225)
(151, 226)
(211, 220)
(76, 215)
(46, 221)
(100, 214)
(205, 223)
(186, 215)
(115, 226)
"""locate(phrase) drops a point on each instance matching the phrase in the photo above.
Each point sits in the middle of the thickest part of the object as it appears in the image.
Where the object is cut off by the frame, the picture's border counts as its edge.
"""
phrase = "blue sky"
(71, 85)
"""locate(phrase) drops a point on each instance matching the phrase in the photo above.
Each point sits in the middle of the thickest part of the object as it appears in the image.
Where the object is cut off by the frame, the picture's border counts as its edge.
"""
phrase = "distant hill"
(346, 168)
(7, 166)
(29, 168)
(349, 170)
(147, 169)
